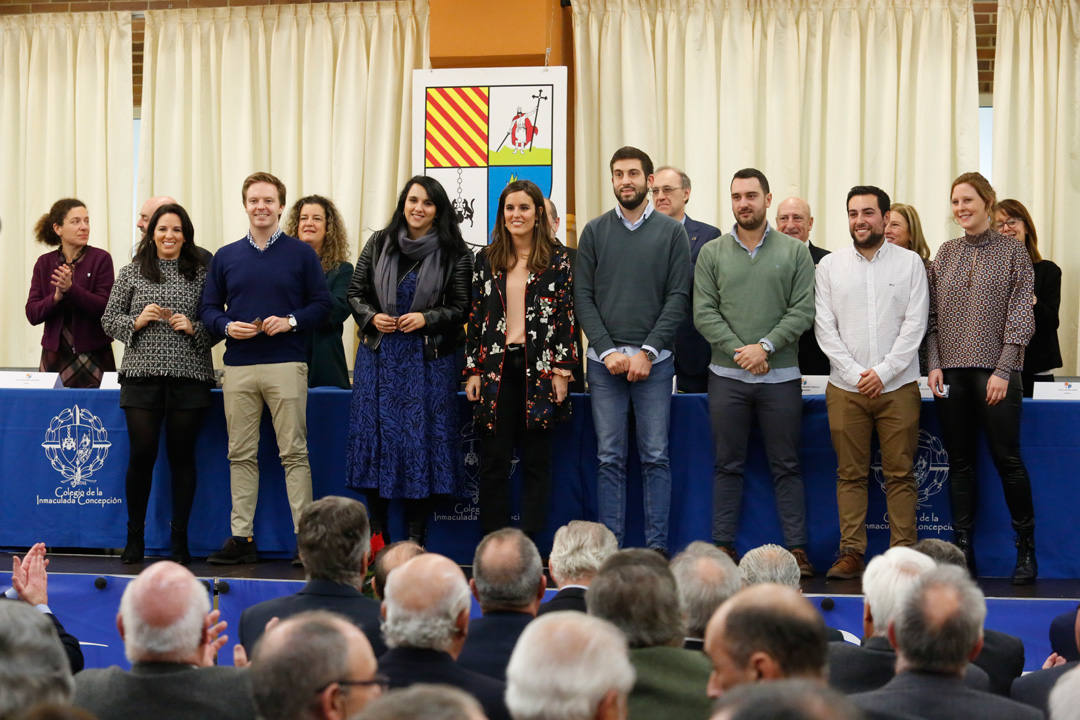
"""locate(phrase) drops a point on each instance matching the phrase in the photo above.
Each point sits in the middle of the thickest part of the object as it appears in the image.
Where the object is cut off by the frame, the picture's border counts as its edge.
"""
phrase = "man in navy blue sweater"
(264, 293)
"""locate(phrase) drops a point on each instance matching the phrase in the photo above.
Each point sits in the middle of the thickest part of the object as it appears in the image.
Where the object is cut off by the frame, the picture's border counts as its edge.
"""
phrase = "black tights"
(144, 431)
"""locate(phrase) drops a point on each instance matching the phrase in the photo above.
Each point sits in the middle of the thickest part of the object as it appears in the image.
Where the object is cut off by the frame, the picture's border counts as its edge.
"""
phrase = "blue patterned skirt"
(404, 429)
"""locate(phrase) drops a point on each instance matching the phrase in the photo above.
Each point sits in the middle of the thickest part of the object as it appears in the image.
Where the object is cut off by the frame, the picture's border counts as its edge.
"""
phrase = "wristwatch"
(650, 354)
(765, 348)
(292, 322)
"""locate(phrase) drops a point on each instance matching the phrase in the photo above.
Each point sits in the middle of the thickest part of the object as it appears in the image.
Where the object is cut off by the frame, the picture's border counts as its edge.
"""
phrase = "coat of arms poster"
(477, 129)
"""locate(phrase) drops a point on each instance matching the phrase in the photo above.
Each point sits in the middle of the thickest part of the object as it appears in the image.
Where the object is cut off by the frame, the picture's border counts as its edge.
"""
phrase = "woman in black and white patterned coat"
(167, 372)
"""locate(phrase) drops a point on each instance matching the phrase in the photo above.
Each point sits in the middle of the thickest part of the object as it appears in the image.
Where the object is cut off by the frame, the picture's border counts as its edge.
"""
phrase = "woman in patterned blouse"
(519, 354)
(980, 320)
(167, 372)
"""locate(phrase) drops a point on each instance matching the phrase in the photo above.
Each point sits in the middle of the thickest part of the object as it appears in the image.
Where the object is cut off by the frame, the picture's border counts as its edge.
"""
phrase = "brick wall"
(15, 7)
(985, 37)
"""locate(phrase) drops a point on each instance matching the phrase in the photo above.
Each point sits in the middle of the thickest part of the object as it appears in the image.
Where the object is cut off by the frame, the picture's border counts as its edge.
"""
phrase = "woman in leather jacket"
(409, 295)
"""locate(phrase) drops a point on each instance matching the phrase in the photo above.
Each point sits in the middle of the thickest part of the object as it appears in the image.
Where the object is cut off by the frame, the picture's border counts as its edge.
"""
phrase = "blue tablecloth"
(63, 455)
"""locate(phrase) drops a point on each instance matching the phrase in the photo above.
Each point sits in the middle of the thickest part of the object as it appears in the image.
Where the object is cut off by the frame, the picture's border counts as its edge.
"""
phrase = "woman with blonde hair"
(316, 220)
(980, 320)
(1043, 352)
(905, 229)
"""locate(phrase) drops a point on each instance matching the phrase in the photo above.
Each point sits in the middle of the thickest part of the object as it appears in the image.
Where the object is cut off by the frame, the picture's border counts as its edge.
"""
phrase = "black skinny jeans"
(962, 415)
(497, 455)
(144, 430)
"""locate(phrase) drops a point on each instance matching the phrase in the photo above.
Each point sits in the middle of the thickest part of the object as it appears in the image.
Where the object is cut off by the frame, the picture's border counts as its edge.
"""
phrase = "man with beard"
(630, 294)
(872, 303)
(753, 298)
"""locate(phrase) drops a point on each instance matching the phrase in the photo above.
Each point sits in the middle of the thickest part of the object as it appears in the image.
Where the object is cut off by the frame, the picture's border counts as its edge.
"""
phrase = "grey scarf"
(426, 252)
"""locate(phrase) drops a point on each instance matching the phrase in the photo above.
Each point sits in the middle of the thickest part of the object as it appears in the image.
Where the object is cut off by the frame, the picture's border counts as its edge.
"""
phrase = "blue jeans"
(612, 396)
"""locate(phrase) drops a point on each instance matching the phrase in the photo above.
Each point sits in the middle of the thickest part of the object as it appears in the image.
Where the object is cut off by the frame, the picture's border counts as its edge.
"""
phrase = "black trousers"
(962, 415)
(144, 430)
(497, 456)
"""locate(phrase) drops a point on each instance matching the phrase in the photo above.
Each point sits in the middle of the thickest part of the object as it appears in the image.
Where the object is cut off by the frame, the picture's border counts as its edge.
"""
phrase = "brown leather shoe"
(806, 570)
(848, 566)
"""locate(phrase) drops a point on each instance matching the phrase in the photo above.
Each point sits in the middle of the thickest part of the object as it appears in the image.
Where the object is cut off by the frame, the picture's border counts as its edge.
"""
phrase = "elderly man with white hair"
(887, 581)
(705, 576)
(569, 666)
(579, 549)
(171, 639)
(425, 623)
(33, 666)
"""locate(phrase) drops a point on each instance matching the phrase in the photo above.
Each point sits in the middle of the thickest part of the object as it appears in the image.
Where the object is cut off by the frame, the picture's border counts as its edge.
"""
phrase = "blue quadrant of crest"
(500, 177)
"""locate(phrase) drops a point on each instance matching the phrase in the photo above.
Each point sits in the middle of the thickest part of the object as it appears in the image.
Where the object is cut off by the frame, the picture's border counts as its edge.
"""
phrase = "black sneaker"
(236, 551)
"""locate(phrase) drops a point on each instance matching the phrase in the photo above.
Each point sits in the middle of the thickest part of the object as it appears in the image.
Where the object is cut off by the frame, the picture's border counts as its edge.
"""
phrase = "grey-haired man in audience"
(579, 549)
(33, 666)
(705, 577)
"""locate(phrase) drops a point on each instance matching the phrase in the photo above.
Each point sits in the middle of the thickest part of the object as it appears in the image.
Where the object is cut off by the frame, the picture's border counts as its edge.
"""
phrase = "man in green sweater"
(631, 292)
(753, 298)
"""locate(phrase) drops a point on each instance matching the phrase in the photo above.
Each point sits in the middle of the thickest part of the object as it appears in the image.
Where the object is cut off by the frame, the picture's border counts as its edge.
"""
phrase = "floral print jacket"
(549, 339)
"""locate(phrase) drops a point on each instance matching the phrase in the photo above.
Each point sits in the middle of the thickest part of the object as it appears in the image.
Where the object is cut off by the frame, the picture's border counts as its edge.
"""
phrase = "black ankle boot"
(178, 547)
(963, 541)
(135, 547)
(1026, 567)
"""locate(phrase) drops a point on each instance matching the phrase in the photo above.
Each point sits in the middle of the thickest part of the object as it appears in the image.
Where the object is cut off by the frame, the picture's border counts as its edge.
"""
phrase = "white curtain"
(1037, 135)
(317, 94)
(820, 95)
(65, 130)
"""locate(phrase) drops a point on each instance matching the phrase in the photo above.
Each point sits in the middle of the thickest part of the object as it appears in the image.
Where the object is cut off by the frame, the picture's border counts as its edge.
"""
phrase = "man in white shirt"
(872, 301)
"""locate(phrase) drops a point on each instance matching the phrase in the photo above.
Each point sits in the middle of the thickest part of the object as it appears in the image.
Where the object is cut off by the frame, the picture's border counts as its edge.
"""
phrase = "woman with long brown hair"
(1043, 353)
(980, 321)
(68, 292)
(519, 354)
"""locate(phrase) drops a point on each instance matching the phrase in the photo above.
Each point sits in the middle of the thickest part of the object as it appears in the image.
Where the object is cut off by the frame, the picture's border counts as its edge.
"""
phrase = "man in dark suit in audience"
(887, 581)
(1034, 688)
(33, 668)
(936, 633)
(635, 591)
(793, 218)
(171, 639)
(334, 543)
(670, 192)
(316, 665)
(30, 583)
(563, 650)
(425, 623)
(705, 577)
(579, 549)
(391, 556)
(508, 582)
(1002, 656)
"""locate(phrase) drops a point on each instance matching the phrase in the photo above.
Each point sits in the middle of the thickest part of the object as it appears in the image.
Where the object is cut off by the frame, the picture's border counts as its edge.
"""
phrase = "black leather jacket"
(444, 331)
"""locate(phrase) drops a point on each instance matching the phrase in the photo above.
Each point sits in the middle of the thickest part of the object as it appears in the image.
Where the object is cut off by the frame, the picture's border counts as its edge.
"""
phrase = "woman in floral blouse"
(519, 354)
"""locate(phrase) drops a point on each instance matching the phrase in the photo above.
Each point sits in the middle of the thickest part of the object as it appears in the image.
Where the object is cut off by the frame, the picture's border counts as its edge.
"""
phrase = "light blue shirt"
(775, 375)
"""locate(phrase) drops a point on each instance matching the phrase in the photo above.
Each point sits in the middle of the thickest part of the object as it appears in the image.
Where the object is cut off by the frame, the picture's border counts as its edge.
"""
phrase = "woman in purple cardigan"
(68, 292)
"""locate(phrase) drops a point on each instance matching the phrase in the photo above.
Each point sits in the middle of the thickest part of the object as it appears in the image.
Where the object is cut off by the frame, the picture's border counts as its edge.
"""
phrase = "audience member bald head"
(508, 573)
(635, 591)
(149, 208)
(393, 555)
(888, 580)
(315, 665)
(427, 605)
(787, 699)
(163, 615)
(569, 666)
(579, 549)
(793, 218)
(770, 564)
(765, 632)
(940, 625)
(671, 191)
(705, 577)
(424, 702)
(33, 666)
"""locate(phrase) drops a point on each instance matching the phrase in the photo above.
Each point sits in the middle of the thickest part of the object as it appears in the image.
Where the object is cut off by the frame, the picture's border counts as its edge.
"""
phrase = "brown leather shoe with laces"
(806, 570)
(848, 566)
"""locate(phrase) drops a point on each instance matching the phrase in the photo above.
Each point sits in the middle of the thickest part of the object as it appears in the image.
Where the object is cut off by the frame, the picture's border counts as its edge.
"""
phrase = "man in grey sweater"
(631, 292)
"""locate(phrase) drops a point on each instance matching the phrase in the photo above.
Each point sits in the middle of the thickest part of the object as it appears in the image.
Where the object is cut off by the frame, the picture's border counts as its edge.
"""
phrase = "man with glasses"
(670, 192)
(314, 665)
